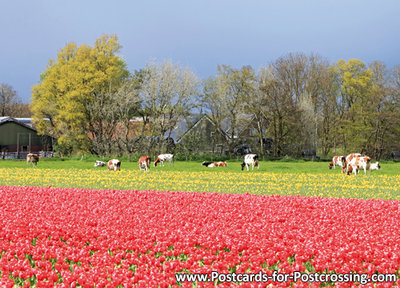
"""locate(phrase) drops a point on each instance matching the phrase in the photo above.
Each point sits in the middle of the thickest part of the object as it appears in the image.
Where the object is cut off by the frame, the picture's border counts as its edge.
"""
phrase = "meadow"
(273, 178)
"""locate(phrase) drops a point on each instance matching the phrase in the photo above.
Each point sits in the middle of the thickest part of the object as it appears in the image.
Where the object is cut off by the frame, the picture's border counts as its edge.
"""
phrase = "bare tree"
(256, 108)
(212, 101)
(384, 108)
(298, 88)
(327, 107)
(110, 117)
(168, 93)
(280, 109)
(10, 104)
(320, 121)
(233, 89)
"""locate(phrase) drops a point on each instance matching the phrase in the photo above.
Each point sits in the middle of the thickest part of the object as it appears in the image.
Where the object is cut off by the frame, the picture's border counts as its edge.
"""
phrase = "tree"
(256, 107)
(354, 104)
(129, 107)
(213, 102)
(280, 109)
(69, 87)
(110, 114)
(234, 87)
(9, 101)
(385, 121)
(329, 122)
(167, 94)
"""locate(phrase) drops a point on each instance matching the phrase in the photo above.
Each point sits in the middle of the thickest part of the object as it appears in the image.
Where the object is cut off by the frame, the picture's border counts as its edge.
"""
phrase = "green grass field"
(273, 178)
(388, 168)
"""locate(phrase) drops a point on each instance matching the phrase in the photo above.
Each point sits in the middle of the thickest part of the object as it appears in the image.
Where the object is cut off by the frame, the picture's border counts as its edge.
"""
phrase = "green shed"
(17, 136)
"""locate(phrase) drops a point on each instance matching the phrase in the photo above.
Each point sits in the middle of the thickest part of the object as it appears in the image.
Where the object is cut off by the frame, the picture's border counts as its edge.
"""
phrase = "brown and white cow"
(362, 162)
(347, 161)
(144, 163)
(32, 159)
(114, 164)
(337, 161)
(164, 157)
(214, 164)
(357, 163)
(222, 164)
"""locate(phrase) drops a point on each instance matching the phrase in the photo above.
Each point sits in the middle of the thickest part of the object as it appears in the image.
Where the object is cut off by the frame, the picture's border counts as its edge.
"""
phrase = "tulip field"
(70, 227)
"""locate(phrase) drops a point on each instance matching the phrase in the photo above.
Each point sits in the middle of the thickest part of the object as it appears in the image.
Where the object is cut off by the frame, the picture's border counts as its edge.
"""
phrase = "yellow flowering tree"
(70, 85)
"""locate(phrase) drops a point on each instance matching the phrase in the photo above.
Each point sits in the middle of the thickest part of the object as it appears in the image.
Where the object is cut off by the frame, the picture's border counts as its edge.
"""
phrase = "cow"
(164, 157)
(114, 164)
(337, 161)
(99, 163)
(222, 164)
(347, 161)
(32, 159)
(144, 163)
(362, 162)
(214, 164)
(357, 163)
(209, 164)
(250, 160)
(375, 166)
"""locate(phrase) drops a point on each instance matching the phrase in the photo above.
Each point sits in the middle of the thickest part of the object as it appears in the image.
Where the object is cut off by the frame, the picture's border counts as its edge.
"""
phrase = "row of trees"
(87, 99)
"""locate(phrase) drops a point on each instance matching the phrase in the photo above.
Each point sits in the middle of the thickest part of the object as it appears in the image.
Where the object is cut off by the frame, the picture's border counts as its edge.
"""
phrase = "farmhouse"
(18, 137)
(203, 136)
(200, 134)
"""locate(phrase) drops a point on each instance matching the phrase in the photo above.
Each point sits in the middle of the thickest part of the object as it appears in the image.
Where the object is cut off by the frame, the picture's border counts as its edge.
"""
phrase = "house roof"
(202, 118)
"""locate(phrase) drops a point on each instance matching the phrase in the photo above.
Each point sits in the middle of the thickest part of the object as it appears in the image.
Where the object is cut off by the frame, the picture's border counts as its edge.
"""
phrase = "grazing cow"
(32, 159)
(357, 163)
(250, 160)
(144, 163)
(362, 162)
(214, 164)
(114, 164)
(164, 157)
(99, 163)
(337, 161)
(347, 161)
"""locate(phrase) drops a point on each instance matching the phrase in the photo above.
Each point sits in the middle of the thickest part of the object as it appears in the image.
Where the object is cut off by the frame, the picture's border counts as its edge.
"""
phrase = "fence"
(22, 155)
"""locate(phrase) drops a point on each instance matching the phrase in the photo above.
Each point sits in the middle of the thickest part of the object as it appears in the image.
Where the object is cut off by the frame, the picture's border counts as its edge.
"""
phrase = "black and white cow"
(208, 164)
(215, 164)
(99, 163)
(250, 160)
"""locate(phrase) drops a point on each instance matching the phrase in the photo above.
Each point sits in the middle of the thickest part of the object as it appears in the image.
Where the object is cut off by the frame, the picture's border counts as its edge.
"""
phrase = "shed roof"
(25, 122)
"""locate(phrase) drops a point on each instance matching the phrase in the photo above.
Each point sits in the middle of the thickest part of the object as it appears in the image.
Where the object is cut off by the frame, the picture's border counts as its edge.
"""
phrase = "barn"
(18, 137)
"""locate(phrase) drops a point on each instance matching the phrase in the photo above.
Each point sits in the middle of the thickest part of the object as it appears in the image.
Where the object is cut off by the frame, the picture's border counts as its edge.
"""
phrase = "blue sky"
(197, 34)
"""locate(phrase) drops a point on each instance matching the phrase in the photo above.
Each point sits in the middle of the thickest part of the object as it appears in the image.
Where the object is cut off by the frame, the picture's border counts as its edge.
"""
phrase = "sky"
(198, 34)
